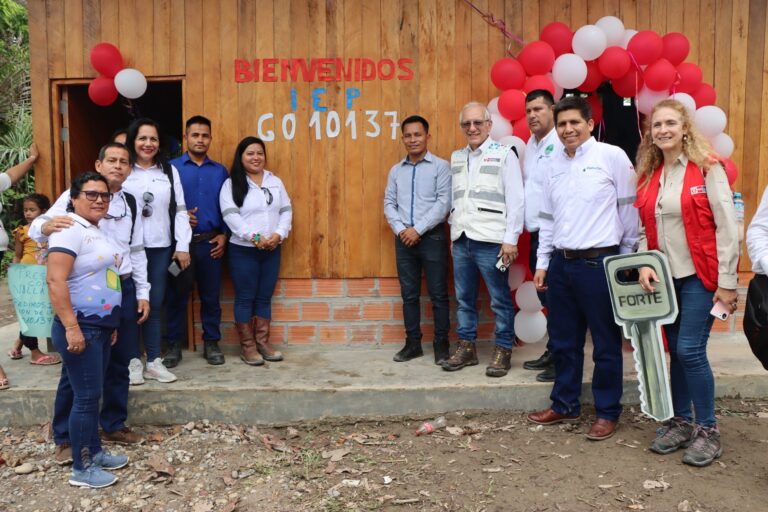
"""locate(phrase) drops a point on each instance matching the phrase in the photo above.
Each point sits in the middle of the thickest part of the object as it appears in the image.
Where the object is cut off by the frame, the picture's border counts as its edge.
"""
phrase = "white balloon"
(530, 326)
(647, 98)
(687, 100)
(589, 42)
(526, 297)
(558, 90)
(569, 71)
(131, 83)
(628, 34)
(493, 106)
(500, 127)
(613, 28)
(710, 120)
(517, 143)
(515, 275)
(722, 143)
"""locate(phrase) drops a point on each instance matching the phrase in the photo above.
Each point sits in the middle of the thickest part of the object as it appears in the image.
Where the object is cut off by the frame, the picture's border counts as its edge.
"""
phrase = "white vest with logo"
(479, 209)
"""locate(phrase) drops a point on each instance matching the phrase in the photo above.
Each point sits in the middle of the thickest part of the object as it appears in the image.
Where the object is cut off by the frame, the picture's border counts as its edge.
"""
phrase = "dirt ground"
(482, 461)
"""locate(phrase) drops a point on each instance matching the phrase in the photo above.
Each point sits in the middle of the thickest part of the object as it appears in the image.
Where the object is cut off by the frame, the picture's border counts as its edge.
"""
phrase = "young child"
(29, 252)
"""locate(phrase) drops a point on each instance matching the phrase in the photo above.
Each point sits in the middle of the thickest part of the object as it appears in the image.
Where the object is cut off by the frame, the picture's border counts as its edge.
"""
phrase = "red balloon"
(537, 58)
(520, 128)
(628, 85)
(559, 36)
(614, 62)
(689, 76)
(512, 104)
(597, 108)
(539, 82)
(106, 59)
(676, 47)
(704, 95)
(594, 77)
(646, 47)
(507, 73)
(660, 75)
(730, 170)
(102, 91)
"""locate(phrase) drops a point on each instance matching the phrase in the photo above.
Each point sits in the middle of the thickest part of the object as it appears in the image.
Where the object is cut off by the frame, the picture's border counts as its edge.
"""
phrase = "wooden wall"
(337, 184)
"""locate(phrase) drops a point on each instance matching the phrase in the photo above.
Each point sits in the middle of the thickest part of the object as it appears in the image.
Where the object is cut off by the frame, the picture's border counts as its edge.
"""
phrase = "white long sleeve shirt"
(257, 214)
(757, 237)
(117, 230)
(157, 227)
(537, 163)
(588, 202)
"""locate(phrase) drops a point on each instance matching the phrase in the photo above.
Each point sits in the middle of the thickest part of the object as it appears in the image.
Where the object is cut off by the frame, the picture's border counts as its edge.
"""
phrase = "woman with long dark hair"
(257, 209)
(157, 188)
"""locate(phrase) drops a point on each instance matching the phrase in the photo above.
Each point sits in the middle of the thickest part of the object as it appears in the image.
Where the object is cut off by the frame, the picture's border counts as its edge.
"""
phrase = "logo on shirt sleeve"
(700, 189)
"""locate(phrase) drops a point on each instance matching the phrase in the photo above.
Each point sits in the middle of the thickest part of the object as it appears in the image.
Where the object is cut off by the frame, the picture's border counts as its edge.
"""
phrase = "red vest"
(697, 218)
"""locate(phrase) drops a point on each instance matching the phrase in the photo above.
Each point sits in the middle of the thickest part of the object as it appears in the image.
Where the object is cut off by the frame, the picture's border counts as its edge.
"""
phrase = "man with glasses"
(201, 179)
(124, 228)
(486, 221)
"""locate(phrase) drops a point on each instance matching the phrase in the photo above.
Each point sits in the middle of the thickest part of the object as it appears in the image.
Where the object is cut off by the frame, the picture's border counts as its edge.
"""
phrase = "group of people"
(581, 201)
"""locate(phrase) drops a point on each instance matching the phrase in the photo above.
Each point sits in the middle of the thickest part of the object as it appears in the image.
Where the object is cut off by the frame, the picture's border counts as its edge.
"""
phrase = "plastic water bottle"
(429, 426)
(738, 204)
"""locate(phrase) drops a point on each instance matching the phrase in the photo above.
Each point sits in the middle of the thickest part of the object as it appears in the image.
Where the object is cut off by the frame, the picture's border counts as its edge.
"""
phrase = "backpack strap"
(134, 212)
(168, 171)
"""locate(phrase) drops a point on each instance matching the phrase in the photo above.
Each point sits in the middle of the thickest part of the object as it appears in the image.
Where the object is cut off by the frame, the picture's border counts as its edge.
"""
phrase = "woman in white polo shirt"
(257, 209)
(84, 286)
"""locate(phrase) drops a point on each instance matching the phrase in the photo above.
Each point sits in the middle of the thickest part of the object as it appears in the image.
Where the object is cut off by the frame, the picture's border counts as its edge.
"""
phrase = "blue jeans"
(254, 274)
(691, 375)
(158, 260)
(208, 279)
(578, 299)
(80, 386)
(471, 260)
(431, 254)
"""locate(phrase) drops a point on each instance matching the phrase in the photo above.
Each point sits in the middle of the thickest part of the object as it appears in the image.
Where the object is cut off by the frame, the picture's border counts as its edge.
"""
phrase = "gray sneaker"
(705, 448)
(676, 433)
(92, 477)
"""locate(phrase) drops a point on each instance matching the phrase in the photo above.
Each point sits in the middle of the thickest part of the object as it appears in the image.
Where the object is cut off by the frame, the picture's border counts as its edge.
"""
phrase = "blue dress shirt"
(202, 184)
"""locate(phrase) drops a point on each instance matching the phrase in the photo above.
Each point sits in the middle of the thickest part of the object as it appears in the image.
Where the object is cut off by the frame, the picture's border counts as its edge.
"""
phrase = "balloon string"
(495, 22)
(637, 92)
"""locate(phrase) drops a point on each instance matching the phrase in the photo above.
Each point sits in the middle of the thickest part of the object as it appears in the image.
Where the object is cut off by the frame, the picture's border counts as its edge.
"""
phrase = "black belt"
(585, 254)
(204, 237)
(123, 277)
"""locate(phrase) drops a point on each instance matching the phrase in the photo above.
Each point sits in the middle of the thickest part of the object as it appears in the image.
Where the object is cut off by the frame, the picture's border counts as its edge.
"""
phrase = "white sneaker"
(157, 371)
(136, 372)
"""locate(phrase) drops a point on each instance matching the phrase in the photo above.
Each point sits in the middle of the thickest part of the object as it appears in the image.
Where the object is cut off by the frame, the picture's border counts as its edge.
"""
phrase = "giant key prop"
(641, 315)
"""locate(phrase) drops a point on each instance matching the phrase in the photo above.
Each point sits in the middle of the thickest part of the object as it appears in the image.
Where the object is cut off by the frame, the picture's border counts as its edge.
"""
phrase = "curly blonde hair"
(695, 146)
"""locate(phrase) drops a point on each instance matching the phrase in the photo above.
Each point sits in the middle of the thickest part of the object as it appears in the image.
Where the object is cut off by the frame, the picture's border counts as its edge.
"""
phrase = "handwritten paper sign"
(29, 292)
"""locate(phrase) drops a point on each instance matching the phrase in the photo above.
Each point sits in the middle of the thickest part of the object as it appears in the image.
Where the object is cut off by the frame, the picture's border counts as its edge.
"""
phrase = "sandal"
(47, 360)
(4, 383)
(15, 354)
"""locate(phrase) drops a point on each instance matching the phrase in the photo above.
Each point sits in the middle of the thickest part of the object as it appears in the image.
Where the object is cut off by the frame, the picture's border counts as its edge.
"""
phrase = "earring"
(685, 138)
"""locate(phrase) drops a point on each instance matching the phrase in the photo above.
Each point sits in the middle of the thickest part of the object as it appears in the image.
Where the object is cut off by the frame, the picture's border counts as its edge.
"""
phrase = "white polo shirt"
(537, 162)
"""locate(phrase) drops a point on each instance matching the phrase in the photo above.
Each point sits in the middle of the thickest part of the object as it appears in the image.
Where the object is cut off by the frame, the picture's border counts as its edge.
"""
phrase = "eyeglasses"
(267, 195)
(147, 210)
(465, 125)
(93, 195)
(118, 217)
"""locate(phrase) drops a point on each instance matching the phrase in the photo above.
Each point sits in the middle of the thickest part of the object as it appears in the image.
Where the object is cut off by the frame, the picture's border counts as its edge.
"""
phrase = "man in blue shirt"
(201, 179)
(416, 202)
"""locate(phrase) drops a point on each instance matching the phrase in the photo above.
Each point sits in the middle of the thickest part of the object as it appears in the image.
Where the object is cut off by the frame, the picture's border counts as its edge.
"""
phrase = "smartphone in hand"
(720, 311)
(174, 268)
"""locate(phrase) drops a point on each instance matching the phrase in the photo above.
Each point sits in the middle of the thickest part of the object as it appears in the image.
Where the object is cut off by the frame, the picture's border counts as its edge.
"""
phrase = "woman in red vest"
(686, 211)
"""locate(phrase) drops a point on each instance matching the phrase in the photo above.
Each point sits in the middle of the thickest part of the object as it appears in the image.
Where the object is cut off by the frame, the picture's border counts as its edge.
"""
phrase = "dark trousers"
(431, 255)
(254, 274)
(578, 299)
(532, 262)
(158, 259)
(208, 279)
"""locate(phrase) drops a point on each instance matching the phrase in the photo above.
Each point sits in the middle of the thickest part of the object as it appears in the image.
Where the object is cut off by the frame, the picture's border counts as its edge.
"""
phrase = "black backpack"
(134, 211)
(756, 318)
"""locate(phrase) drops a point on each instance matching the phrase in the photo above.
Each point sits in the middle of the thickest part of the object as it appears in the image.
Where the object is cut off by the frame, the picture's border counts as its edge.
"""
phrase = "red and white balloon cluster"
(641, 64)
(530, 322)
(114, 79)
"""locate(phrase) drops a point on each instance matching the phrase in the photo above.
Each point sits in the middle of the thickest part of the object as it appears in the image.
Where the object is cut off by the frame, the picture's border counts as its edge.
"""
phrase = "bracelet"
(68, 327)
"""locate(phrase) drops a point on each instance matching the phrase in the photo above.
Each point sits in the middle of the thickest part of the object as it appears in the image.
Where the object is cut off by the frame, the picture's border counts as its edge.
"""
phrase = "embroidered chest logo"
(548, 150)
(700, 189)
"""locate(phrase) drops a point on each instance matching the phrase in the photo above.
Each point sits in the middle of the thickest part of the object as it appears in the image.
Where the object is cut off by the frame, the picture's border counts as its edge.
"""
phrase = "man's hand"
(192, 217)
(410, 237)
(539, 279)
(34, 153)
(143, 311)
(183, 259)
(57, 224)
(218, 242)
(508, 253)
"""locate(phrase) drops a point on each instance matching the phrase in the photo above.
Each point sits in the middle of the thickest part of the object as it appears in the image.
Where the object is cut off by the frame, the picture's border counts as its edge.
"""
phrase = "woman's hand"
(183, 259)
(272, 242)
(34, 154)
(728, 297)
(647, 276)
(75, 340)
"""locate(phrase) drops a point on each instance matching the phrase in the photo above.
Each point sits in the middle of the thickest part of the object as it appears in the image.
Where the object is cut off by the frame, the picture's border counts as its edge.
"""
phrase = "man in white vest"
(486, 221)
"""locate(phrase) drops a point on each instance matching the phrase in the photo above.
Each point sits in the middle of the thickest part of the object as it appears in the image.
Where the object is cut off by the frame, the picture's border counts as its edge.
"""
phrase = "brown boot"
(500, 362)
(465, 355)
(261, 328)
(248, 352)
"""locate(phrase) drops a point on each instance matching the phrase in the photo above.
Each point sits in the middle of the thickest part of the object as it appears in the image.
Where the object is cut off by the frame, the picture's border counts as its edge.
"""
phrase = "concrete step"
(328, 381)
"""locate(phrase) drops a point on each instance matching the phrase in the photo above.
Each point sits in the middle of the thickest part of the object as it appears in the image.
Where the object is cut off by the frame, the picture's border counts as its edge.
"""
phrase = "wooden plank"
(480, 69)
(443, 126)
(91, 33)
(691, 28)
(246, 91)
(73, 13)
(210, 58)
(628, 10)
(706, 41)
(193, 84)
(57, 59)
(162, 35)
(724, 52)
(579, 14)
(562, 13)
(643, 15)
(178, 39)
(226, 130)
(595, 11)
(659, 16)
(41, 105)
(675, 13)
(610, 8)
(109, 14)
(128, 42)
(531, 27)
(335, 236)
(547, 12)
